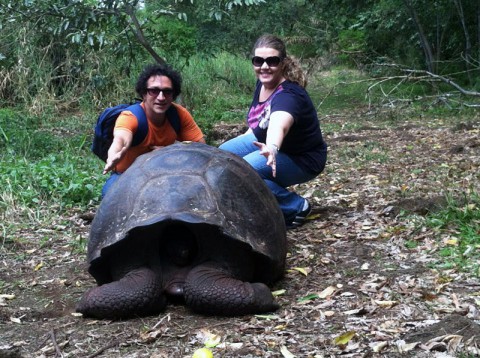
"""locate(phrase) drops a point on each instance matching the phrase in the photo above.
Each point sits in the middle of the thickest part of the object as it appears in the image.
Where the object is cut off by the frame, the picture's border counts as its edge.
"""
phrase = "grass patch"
(45, 169)
(218, 89)
(459, 226)
(339, 89)
(369, 153)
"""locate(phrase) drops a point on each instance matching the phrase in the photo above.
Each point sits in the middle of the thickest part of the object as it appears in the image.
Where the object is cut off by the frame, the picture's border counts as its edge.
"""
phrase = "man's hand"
(113, 159)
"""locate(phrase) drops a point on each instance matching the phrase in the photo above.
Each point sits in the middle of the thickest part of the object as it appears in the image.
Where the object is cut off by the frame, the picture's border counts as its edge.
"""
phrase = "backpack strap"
(173, 118)
(142, 128)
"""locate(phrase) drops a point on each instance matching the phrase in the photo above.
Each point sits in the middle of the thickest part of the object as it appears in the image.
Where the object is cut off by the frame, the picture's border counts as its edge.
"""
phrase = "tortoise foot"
(212, 291)
(138, 293)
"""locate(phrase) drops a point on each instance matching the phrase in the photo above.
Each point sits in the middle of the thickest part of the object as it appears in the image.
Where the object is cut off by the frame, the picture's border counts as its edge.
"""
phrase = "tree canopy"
(440, 37)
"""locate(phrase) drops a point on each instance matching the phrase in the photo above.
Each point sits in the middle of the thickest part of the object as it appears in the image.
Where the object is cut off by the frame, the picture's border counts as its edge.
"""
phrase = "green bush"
(56, 178)
(352, 45)
(218, 89)
(44, 163)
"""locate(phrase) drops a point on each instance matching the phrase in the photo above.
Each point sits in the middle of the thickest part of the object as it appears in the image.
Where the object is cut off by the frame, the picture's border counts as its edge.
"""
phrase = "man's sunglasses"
(272, 61)
(155, 91)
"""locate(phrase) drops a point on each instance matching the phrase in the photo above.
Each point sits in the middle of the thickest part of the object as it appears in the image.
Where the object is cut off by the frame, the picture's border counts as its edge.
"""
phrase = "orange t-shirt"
(157, 135)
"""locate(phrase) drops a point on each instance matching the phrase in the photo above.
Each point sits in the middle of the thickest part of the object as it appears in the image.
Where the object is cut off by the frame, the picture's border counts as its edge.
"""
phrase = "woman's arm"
(280, 123)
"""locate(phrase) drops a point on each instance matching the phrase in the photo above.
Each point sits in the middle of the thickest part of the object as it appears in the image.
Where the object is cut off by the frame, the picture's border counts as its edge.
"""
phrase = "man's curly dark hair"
(159, 70)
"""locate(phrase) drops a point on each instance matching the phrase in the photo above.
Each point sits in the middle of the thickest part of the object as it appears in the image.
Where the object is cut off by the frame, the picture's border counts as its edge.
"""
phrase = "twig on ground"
(104, 348)
(58, 352)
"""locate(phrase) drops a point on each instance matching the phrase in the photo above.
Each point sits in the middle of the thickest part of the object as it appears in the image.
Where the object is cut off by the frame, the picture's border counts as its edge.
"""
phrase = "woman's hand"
(270, 152)
(280, 123)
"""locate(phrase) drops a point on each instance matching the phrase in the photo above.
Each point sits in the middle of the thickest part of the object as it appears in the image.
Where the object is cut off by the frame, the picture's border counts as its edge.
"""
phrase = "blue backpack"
(103, 137)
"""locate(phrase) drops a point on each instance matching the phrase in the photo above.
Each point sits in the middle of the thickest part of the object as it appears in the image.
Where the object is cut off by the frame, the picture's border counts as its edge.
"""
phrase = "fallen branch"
(58, 352)
(419, 76)
(448, 81)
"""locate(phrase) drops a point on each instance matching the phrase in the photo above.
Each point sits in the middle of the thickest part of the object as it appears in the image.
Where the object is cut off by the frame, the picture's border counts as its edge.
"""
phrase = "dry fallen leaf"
(268, 317)
(151, 336)
(385, 304)
(233, 346)
(208, 338)
(378, 346)
(343, 339)
(302, 270)
(404, 347)
(15, 320)
(330, 290)
(452, 241)
(5, 297)
(286, 353)
(356, 311)
(278, 292)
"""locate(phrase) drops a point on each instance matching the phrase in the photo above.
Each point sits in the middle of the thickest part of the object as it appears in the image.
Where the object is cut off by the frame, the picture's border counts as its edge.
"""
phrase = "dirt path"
(361, 280)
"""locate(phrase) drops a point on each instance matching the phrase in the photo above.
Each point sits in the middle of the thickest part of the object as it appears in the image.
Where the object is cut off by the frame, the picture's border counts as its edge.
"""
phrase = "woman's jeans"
(288, 173)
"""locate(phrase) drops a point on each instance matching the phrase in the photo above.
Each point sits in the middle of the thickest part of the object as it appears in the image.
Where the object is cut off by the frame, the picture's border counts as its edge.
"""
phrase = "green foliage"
(459, 225)
(175, 39)
(40, 165)
(411, 244)
(338, 88)
(23, 136)
(352, 45)
(54, 177)
(218, 89)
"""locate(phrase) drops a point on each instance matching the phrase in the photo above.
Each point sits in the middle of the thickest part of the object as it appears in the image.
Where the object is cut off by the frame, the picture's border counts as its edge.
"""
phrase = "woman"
(284, 142)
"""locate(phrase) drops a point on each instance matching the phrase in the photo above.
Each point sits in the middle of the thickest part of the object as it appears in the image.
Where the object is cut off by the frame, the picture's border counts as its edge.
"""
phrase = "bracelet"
(274, 147)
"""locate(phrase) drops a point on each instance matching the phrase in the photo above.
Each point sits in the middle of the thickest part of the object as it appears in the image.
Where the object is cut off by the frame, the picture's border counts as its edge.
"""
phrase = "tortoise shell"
(191, 183)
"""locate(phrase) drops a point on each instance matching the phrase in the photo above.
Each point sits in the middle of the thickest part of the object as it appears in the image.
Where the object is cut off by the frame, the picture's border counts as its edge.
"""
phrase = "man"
(158, 86)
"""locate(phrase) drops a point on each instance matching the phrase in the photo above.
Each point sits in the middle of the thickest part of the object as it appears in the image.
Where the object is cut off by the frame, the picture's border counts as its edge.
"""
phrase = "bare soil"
(362, 277)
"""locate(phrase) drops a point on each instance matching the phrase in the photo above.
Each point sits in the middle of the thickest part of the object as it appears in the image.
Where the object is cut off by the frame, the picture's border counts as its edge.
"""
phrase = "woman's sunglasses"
(272, 61)
(155, 91)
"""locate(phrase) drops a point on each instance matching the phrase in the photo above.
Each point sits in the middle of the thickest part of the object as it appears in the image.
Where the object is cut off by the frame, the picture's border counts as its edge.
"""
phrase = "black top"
(304, 142)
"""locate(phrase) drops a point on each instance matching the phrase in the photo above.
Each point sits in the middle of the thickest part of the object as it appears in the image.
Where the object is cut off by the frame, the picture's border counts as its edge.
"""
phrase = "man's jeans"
(288, 173)
(109, 182)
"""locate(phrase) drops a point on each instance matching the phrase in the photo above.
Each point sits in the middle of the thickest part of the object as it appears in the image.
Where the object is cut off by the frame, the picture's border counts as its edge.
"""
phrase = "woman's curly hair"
(292, 70)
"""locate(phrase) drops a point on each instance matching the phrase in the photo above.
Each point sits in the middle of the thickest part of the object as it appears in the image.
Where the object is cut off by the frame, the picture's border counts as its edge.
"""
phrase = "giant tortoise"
(191, 224)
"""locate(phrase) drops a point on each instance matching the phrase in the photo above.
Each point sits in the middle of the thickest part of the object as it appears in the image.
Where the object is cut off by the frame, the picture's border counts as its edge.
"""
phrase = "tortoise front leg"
(209, 290)
(138, 293)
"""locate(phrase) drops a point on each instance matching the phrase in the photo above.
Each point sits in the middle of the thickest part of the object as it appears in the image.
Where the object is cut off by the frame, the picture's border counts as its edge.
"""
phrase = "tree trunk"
(427, 50)
(439, 33)
(478, 32)
(468, 44)
(137, 30)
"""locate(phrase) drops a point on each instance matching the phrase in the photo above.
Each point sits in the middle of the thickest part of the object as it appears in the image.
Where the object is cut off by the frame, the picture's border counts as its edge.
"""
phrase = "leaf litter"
(352, 286)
